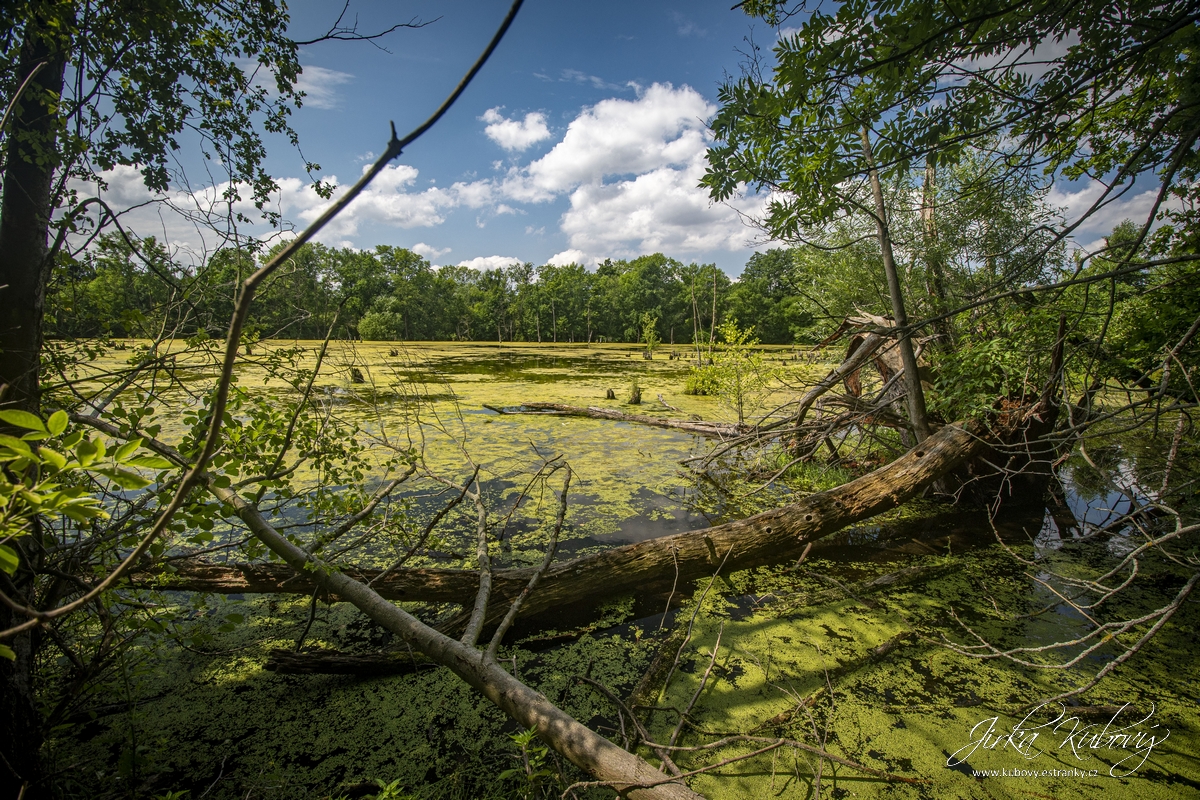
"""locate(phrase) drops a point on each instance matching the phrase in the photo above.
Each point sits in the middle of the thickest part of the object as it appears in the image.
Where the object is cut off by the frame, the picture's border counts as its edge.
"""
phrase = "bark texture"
(627, 773)
(26, 203)
(916, 395)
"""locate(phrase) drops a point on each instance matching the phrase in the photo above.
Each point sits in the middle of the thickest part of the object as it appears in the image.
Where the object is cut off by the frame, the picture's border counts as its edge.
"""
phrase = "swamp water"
(798, 655)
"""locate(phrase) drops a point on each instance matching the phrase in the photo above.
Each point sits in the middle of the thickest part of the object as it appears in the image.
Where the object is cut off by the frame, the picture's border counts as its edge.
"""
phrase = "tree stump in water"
(356, 375)
(610, 395)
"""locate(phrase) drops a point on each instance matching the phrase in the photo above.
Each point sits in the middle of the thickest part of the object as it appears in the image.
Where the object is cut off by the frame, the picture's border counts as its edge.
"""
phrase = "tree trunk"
(712, 327)
(714, 430)
(767, 538)
(912, 378)
(628, 774)
(30, 161)
(934, 274)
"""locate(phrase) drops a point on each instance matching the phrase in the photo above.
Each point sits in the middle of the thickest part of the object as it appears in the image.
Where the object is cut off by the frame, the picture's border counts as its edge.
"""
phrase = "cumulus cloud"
(627, 169)
(429, 251)
(631, 170)
(662, 210)
(386, 201)
(180, 216)
(187, 223)
(1075, 201)
(513, 135)
(489, 262)
(663, 127)
(566, 257)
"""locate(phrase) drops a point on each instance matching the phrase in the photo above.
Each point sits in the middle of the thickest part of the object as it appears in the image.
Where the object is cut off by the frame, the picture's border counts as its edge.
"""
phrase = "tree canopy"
(1093, 89)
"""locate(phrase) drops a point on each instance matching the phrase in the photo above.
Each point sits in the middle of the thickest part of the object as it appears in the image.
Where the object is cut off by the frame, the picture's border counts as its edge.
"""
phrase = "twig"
(312, 614)
(428, 530)
(515, 607)
(624, 710)
(675, 583)
(712, 661)
(692, 621)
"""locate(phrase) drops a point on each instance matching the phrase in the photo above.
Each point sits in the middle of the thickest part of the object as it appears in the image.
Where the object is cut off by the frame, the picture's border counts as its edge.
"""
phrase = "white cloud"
(628, 168)
(568, 257)
(663, 127)
(631, 169)
(386, 201)
(513, 135)
(1135, 205)
(575, 76)
(320, 86)
(489, 262)
(659, 211)
(429, 251)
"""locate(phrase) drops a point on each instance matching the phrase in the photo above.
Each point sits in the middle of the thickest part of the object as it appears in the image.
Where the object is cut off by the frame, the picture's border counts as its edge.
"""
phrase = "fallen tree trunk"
(625, 772)
(713, 430)
(764, 539)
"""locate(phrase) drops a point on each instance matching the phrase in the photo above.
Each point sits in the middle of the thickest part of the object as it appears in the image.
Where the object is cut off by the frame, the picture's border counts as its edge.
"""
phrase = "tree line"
(126, 287)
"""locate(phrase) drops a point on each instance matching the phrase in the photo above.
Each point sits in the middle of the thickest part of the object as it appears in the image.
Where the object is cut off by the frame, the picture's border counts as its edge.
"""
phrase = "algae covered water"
(777, 663)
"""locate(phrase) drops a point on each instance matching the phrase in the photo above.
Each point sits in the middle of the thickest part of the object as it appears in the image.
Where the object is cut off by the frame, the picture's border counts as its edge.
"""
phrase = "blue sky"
(580, 140)
(583, 137)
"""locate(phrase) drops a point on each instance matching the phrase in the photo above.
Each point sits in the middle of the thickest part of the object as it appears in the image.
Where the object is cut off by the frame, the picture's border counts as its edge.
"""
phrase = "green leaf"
(83, 514)
(53, 457)
(86, 451)
(149, 462)
(22, 419)
(6, 652)
(13, 443)
(8, 559)
(125, 479)
(57, 422)
(126, 450)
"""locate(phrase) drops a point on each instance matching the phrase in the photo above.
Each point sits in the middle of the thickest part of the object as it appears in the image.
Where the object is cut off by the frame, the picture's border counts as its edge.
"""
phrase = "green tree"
(650, 332)
(167, 71)
(866, 95)
(766, 299)
(739, 372)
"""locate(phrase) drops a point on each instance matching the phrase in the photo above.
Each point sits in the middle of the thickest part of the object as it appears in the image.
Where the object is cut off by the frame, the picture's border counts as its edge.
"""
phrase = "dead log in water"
(712, 430)
(764, 539)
